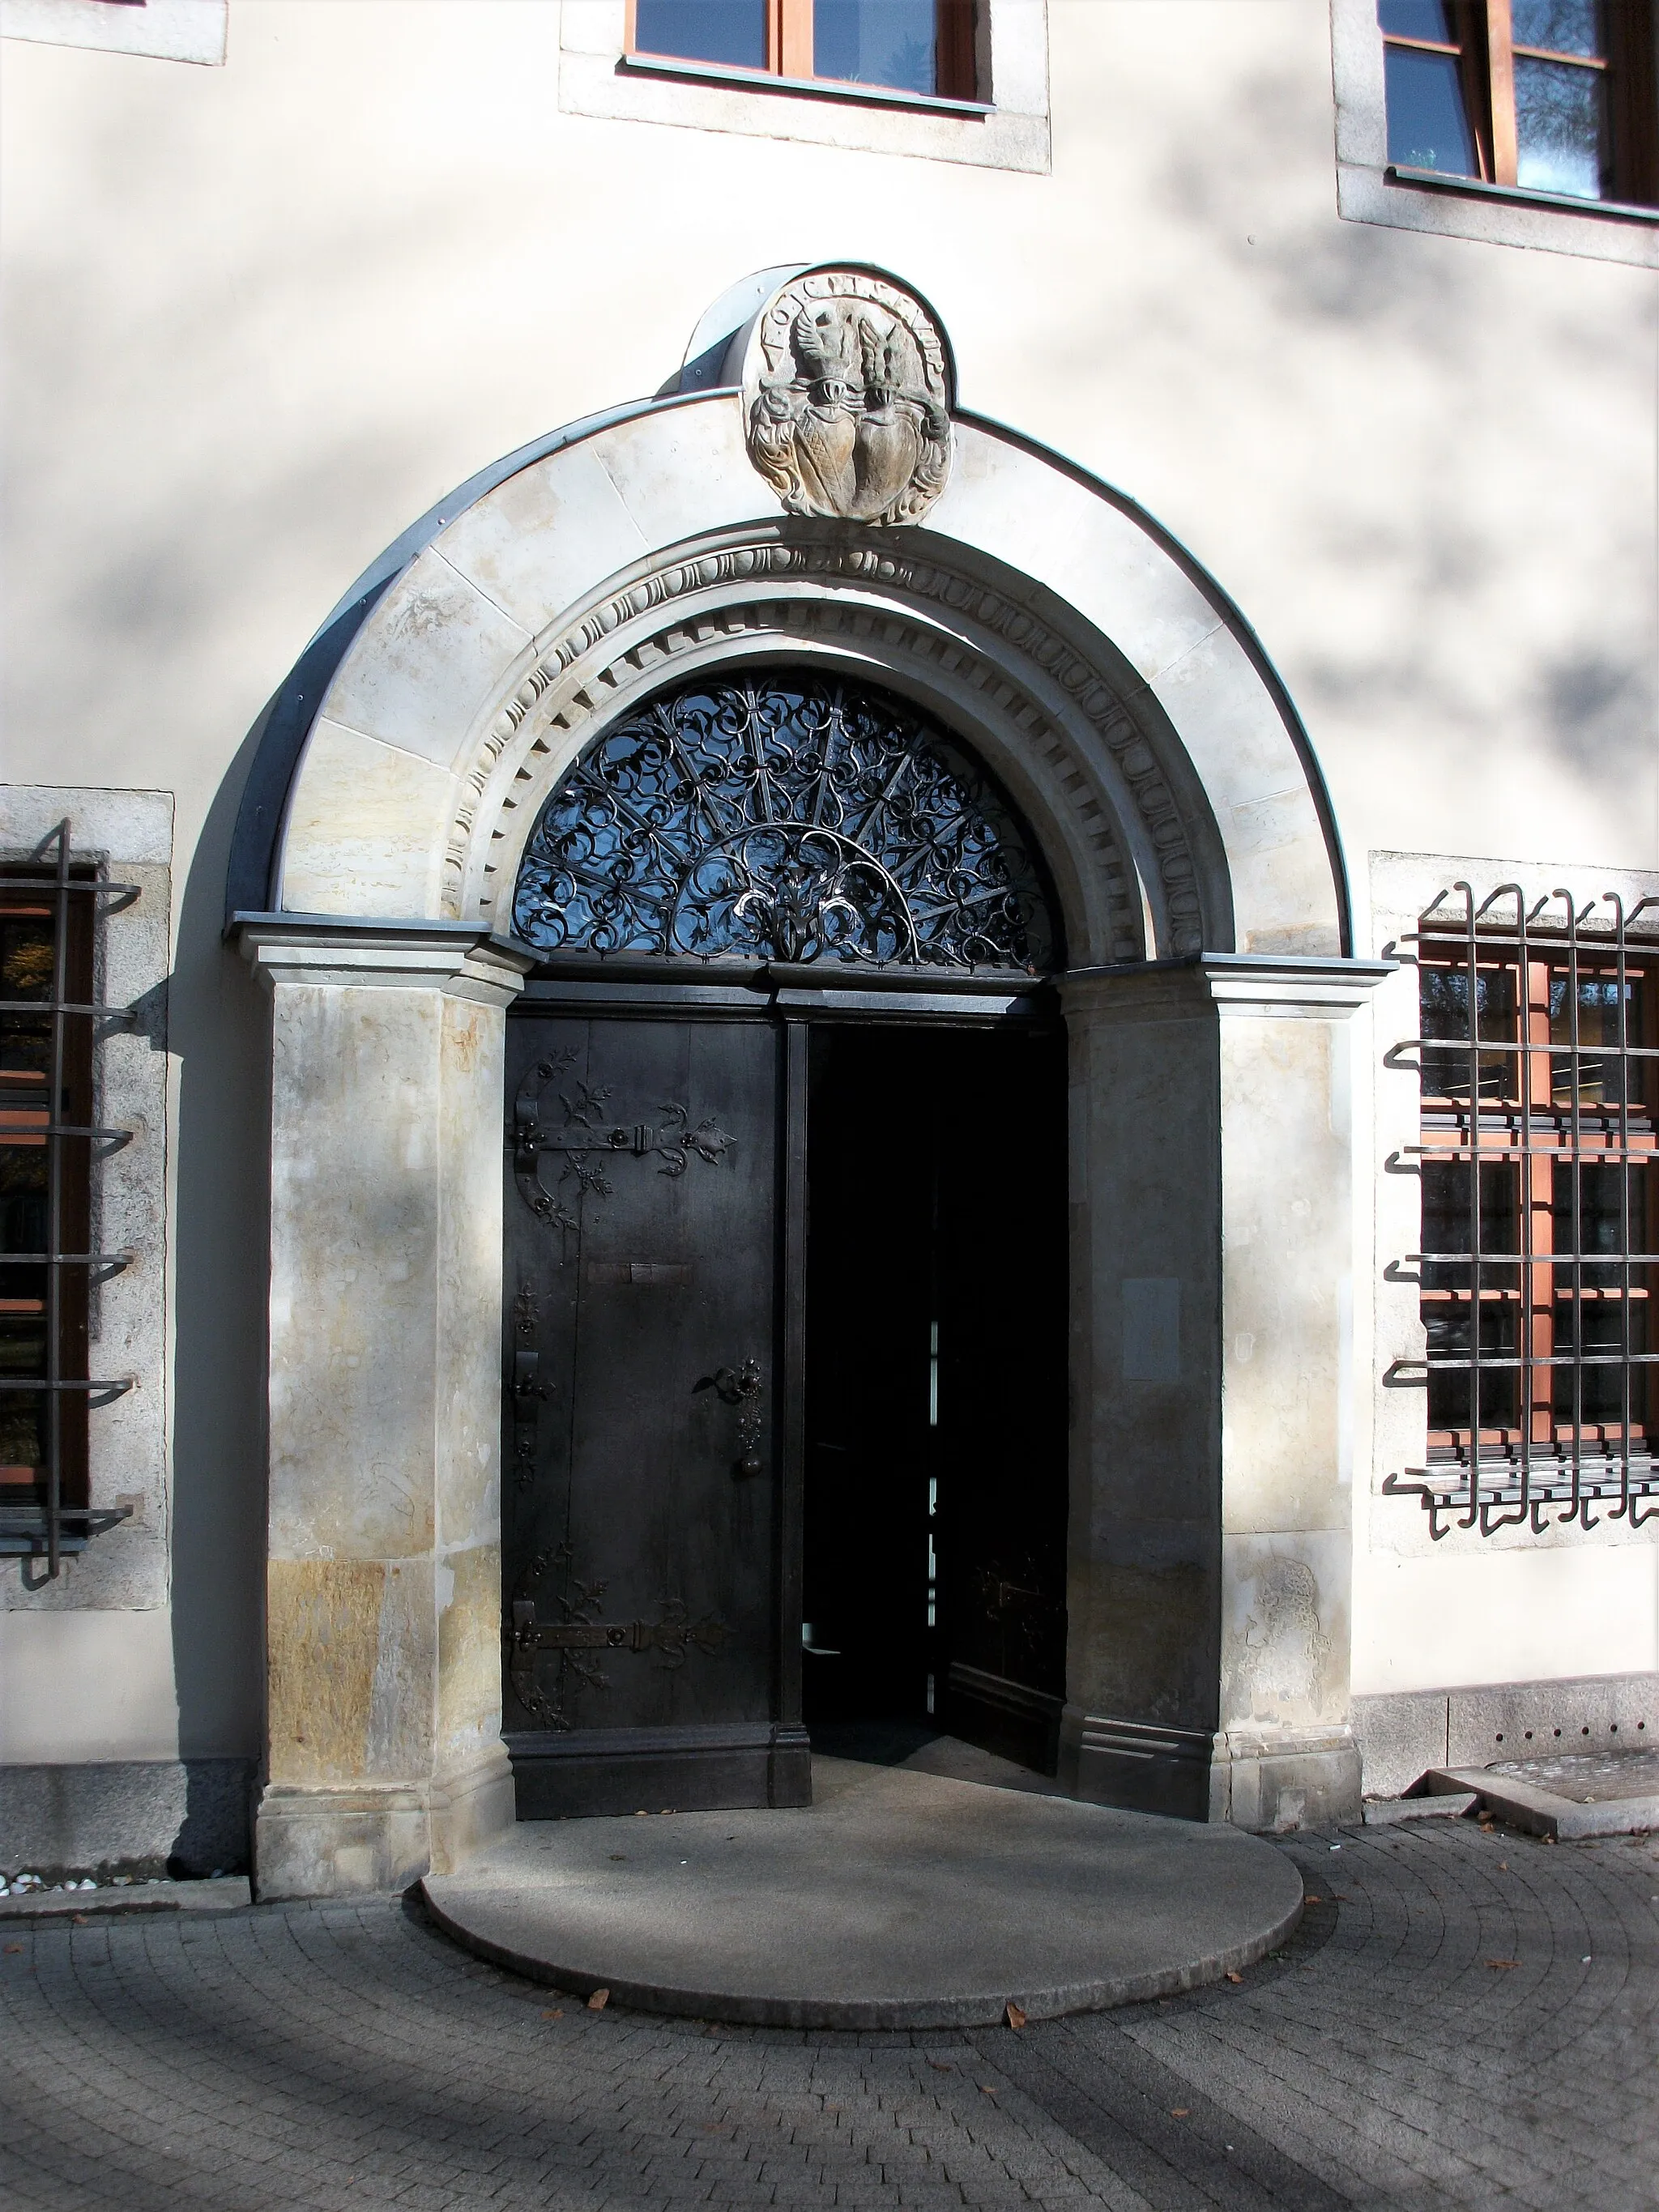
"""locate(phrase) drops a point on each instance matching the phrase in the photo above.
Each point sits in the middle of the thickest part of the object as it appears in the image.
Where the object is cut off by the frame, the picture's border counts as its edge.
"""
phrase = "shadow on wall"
(140, 1818)
(219, 1034)
(1263, 305)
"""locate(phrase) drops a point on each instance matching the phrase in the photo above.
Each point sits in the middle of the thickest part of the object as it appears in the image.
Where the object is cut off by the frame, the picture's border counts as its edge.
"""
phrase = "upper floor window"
(1553, 96)
(920, 46)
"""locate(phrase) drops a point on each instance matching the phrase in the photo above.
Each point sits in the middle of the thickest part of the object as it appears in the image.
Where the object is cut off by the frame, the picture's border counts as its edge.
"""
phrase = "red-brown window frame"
(789, 50)
(1485, 48)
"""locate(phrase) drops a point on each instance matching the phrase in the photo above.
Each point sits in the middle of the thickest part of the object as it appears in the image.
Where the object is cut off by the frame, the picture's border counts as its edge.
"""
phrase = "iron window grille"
(50, 1030)
(1538, 1069)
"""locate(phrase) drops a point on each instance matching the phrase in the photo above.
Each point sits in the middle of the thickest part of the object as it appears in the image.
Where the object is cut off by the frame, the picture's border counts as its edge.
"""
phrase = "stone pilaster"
(1210, 1535)
(383, 1632)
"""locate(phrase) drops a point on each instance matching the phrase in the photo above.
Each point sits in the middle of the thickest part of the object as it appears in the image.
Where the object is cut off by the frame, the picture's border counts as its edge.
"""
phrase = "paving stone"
(310, 2059)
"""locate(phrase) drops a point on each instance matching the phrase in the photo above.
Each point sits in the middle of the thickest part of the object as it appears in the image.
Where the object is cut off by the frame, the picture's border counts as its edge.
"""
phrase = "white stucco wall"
(260, 317)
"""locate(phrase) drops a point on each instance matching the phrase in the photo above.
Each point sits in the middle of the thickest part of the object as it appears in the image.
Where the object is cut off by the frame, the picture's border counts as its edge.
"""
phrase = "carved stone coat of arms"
(846, 401)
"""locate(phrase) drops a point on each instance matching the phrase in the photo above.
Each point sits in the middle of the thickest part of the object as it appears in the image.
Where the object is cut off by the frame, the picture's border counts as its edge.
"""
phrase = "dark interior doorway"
(935, 1508)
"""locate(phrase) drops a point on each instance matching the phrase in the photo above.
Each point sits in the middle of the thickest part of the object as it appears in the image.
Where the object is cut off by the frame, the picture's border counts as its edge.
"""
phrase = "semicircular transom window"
(782, 814)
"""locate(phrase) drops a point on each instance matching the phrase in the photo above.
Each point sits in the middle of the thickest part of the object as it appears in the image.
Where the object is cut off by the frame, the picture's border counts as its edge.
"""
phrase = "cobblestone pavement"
(1462, 2019)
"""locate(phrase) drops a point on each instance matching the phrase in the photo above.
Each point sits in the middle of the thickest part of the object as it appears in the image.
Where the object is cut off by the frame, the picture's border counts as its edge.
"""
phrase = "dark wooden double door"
(785, 1404)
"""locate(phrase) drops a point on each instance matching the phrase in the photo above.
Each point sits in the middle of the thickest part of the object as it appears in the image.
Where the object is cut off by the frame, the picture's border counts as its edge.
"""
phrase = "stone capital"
(1267, 985)
(456, 958)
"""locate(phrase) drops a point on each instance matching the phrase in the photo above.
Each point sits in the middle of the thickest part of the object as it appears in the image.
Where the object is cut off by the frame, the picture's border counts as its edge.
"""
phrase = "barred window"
(1539, 1059)
(48, 1030)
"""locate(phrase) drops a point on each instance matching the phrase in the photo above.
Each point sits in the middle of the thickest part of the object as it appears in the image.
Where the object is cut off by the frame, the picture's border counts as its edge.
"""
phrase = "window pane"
(889, 42)
(1600, 1076)
(1596, 1330)
(1604, 1214)
(22, 1446)
(1451, 1389)
(1445, 997)
(1428, 127)
(731, 31)
(1560, 26)
(1417, 19)
(1561, 128)
(1449, 1224)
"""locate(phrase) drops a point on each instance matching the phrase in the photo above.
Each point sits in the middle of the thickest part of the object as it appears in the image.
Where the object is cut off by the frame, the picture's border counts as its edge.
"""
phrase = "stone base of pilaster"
(1267, 1780)
(1273, 1780)
(471, 1805)
(322, 1841)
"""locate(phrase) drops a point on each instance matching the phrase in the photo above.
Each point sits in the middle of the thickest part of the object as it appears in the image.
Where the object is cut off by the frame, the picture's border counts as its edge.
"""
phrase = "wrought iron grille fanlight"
(783, 816)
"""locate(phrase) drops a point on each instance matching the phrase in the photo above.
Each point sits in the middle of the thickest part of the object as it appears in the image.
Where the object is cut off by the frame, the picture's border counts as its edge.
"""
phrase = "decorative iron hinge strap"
(670, 1636)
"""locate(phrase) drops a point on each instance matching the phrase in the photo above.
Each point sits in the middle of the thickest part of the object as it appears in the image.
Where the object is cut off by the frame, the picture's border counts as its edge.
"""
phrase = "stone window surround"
(1400, 886)
(163, 30)
(598, 77)
(131, 834)
(1367, 190)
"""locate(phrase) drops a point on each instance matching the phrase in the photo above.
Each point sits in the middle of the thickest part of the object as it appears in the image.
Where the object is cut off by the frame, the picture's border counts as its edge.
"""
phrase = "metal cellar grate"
(50, 1031)
(1539, 1061)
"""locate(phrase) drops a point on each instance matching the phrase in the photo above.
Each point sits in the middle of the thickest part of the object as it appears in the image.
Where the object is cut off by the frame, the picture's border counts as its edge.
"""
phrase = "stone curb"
(228, 1894)
(1387, 1812)
(1541, 1812)
(984, 2009)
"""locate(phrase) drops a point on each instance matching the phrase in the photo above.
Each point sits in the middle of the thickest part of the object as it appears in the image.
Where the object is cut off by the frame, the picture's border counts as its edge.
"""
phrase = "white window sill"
(1435, 180)
(816, 87)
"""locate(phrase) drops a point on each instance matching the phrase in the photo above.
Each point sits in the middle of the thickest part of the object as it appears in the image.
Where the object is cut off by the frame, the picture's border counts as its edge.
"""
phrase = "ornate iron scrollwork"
(590, 1134)
(581, 1634)
(787, 817)
(527, 1389)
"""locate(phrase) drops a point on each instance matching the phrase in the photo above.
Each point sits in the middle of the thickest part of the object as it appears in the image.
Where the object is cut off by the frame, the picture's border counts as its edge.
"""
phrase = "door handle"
(741, 1386)
(526, 1383)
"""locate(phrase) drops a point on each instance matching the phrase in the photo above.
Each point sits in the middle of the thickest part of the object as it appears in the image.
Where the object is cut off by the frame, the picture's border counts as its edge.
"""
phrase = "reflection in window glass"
(1417, 19)
(1559, 26)
(1444, 994)
(887, 42)
(1598, 1080)
(1561, 129)
(1428, 121)
(731, 31)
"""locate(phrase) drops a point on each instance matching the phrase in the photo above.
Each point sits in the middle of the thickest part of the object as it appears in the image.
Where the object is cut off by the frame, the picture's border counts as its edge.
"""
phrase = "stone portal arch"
(1117, 695)
(1093, 663)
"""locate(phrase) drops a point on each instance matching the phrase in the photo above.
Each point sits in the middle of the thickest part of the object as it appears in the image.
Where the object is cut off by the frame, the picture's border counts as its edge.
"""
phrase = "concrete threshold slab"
(898, 1899)
(1539, 1811)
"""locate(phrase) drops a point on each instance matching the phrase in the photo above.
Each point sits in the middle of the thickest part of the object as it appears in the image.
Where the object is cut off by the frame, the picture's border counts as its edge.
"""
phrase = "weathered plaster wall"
(260, 316)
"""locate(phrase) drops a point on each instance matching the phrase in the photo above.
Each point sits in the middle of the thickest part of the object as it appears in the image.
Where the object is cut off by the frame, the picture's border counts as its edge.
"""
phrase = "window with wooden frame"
(48, 1025)
(923, 47)
(1539, 1061)
(1552, 96)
